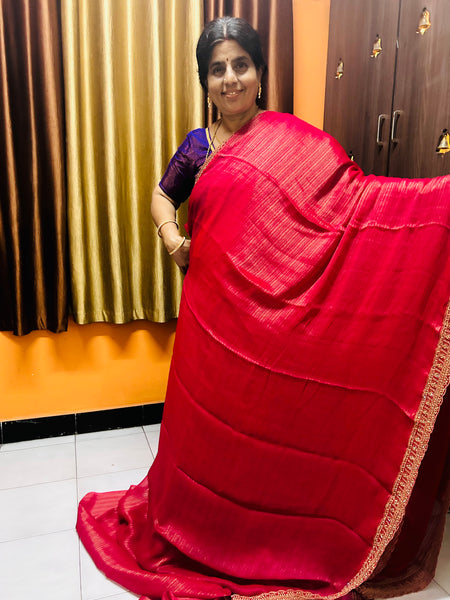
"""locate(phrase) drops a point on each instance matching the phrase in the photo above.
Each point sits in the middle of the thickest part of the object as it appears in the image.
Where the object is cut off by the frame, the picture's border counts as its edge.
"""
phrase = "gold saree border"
(432, 397)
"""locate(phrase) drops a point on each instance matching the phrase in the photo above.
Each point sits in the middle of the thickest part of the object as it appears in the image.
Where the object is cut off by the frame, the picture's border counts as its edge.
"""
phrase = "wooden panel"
(353, 103)
(422, 91)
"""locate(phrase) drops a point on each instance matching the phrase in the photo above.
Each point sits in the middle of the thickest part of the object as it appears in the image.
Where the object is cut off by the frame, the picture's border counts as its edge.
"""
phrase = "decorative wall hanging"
(424, 22)
(377, 48)
(443, 145)
(339, 69)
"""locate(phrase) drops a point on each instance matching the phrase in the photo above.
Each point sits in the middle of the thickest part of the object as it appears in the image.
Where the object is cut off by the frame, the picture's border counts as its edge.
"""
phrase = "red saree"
(310, 364)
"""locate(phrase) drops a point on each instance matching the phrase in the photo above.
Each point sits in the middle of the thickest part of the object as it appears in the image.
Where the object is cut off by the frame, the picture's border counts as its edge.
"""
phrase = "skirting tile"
(32, 429)
(46, 427)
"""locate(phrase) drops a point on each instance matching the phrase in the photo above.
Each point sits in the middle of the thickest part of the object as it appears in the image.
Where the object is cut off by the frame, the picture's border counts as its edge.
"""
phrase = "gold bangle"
(178, 247)
(158, 231)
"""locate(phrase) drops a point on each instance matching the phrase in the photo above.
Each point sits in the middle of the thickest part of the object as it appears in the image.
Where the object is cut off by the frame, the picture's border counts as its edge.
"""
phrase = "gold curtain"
(273, 20)
(33, 287)
(132, 94)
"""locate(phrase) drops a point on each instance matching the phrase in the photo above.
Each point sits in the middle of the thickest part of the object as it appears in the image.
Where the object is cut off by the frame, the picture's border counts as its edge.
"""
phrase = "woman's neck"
(231, 123)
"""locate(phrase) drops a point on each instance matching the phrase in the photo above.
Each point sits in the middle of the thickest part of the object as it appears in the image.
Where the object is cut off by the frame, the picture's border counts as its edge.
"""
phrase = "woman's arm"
(163, 210)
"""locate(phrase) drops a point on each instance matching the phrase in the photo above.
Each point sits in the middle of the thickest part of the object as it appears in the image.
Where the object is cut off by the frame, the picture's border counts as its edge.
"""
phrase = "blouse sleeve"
(179, 178)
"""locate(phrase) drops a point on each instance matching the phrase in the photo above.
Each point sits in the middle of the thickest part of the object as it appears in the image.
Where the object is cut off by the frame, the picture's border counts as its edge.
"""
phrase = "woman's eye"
(218, 70)
(241, 67)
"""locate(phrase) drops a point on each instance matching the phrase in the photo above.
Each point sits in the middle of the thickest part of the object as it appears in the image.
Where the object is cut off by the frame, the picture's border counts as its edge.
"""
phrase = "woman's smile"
(231, 94)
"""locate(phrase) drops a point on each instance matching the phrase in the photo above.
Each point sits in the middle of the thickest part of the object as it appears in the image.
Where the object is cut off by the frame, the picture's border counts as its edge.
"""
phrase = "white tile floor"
(40, 483)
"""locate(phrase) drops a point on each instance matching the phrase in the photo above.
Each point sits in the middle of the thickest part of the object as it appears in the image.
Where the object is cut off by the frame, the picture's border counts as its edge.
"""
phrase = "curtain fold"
(273, 19)
(33, 289)
(132, 93)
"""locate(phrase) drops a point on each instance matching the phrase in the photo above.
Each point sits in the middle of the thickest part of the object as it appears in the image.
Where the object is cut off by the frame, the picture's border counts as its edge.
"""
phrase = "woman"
(231, 66)
(304, 445)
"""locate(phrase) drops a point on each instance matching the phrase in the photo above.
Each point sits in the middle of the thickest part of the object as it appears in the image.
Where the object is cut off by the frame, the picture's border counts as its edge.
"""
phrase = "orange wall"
(311, 19)
(89, 367)
(99, 366)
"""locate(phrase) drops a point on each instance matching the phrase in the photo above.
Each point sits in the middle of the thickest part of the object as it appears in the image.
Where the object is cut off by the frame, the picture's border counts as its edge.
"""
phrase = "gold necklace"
(231, 132)
(211, 147)
(211, 144)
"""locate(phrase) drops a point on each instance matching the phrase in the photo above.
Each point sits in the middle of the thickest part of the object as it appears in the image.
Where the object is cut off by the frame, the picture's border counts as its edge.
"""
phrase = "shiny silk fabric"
(310, 363)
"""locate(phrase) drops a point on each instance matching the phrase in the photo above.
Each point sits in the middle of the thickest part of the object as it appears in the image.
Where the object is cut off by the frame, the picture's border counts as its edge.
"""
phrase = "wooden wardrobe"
(390, 106)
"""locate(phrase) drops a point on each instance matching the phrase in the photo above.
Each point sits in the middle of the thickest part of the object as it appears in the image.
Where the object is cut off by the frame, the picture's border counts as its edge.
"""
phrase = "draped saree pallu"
(310, 364)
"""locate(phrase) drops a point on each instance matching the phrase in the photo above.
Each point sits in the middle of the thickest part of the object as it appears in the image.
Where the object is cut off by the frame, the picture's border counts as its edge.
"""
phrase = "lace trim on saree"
(433, 394)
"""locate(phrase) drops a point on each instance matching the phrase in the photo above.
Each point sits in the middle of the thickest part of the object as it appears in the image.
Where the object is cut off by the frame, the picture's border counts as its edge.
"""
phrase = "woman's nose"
(230, 75)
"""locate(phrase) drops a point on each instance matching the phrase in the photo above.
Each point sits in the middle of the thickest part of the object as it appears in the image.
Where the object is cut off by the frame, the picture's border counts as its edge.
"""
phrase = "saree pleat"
(308, 378)
(33, 252)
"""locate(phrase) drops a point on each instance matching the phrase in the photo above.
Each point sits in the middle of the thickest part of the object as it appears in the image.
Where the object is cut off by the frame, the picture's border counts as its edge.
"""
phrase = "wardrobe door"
(422, 91)
(358, 105)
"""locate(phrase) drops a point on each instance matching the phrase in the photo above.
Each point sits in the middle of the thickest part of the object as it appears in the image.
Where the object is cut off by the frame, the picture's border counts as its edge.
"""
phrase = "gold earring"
(208, 101)
(259, 92)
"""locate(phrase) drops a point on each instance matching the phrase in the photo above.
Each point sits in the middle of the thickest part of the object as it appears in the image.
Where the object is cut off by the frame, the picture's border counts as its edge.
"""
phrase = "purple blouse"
(179, 178)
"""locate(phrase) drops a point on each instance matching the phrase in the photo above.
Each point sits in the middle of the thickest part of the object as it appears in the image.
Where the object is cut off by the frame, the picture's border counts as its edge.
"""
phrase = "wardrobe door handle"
(381, 120)
(395, 117)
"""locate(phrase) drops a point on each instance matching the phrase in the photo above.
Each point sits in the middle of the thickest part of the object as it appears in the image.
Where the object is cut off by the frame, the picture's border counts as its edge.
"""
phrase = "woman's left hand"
(181, 255)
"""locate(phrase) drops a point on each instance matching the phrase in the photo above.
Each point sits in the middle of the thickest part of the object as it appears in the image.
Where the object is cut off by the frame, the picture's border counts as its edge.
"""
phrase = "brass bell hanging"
(424, 22)
(443, 145)
(377, 48)
(340, 69)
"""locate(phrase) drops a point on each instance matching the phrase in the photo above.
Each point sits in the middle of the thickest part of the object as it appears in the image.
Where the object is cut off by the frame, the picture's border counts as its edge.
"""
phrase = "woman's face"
(233, 80)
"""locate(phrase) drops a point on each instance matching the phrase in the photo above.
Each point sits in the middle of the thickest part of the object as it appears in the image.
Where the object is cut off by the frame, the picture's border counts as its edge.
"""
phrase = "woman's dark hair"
(227, 28)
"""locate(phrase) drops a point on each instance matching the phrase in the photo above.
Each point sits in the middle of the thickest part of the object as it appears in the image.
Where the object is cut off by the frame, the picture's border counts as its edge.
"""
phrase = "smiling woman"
(310, 362)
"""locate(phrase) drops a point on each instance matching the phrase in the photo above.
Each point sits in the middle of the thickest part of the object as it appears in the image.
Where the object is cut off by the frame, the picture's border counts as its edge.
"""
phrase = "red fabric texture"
(310, 362)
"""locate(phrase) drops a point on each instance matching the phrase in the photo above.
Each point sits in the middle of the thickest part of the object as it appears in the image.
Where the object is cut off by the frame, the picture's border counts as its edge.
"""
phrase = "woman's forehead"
(227, 51)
